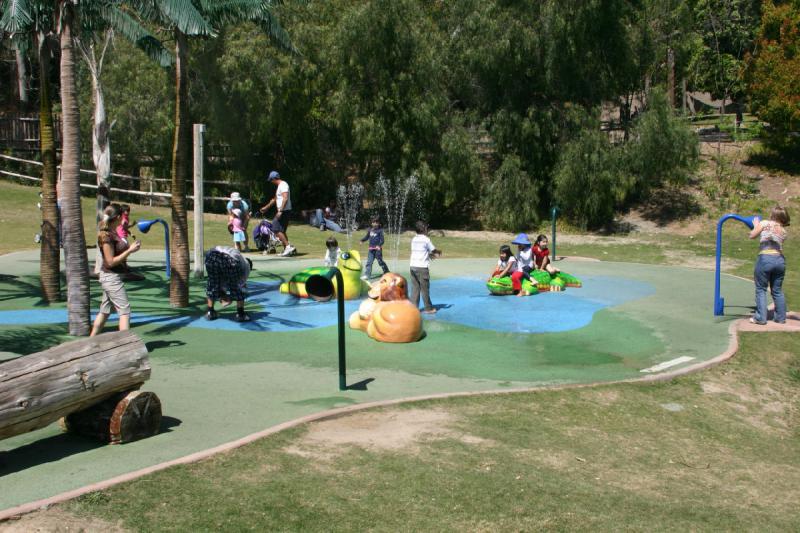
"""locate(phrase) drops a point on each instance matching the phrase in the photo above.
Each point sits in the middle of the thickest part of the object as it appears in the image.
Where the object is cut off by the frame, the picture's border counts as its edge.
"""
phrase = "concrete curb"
(6, 514)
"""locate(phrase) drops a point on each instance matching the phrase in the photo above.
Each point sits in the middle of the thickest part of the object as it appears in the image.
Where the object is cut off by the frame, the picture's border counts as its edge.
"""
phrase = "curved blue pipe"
(145, 225)
(719, 301)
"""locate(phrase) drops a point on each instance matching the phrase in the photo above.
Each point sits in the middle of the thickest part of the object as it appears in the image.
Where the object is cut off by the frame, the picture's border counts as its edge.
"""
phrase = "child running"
(236, 222)
(332, 252)
(422, 251)
(375, 237)
(541, 256)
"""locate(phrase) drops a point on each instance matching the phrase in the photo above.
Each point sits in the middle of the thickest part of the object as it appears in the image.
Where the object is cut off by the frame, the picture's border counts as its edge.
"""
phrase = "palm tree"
(74, 238)
(187, 19)
(26, 22)
(50, 253)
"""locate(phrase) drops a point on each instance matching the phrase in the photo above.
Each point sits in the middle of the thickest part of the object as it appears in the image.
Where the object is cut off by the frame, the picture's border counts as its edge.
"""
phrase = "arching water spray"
(394, 196)
(349, 199)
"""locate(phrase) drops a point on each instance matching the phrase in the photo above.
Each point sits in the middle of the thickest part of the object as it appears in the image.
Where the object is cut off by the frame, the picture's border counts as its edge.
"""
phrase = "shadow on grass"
(21, 288)
(30, 339)
(670, 205)
(57, 447)
(774, 161)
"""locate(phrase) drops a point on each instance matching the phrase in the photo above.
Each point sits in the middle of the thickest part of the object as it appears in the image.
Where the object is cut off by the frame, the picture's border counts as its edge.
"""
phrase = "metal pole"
(340, 313)
(199, 264)
(553, 215)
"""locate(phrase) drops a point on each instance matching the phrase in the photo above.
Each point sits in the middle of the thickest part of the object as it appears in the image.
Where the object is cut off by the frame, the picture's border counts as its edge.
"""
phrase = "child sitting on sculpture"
(506, 265)
(332, 252)
(541, 256)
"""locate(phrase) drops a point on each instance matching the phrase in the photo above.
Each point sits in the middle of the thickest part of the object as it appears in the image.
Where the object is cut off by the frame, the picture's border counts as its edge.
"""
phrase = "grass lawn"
(713, 451)
(718, 450)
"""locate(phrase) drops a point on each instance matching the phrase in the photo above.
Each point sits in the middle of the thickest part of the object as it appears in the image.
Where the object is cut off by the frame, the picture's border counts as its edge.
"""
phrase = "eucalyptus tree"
(99, 23)
(185, 19)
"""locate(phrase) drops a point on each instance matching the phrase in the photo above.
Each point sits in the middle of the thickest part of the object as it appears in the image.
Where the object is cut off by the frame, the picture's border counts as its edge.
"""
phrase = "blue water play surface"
(464, 301)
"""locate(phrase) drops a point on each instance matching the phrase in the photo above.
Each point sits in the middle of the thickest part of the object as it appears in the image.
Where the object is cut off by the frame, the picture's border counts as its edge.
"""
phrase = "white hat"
(236, 212)
(235, 197)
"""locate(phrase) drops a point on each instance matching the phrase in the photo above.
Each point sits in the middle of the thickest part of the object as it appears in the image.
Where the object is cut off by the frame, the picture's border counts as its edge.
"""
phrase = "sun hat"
(236, 197)
(522, 239)
(273, 175)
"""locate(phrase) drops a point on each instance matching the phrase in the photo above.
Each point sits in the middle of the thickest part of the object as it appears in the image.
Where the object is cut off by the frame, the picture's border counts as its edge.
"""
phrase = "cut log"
(122, 418)
(40, 388)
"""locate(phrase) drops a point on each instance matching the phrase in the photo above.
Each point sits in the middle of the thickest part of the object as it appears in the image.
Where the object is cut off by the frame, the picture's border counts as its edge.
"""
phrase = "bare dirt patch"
(58, 521)
(400, 430)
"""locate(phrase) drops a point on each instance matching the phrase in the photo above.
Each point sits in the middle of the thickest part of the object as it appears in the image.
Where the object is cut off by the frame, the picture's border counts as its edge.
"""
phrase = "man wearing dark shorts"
(283, 203)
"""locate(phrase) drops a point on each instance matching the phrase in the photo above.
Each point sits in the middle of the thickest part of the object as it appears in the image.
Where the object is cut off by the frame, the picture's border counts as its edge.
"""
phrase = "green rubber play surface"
(221, 381)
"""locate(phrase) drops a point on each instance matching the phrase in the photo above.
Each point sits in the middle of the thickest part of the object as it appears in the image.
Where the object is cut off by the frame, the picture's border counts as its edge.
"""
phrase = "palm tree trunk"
(77, 262)
(179, 251)
(50, 255)
(22, 78)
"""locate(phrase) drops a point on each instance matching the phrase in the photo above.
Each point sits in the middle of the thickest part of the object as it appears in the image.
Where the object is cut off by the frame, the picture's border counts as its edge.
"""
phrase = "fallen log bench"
(92, 382)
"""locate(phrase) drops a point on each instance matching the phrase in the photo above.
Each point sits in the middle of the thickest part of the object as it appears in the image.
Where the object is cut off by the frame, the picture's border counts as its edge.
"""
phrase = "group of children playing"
(529, 257)
(422, 252)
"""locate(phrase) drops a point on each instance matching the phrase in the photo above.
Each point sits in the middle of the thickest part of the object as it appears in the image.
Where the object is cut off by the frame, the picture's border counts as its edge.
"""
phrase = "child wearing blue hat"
(524, 262)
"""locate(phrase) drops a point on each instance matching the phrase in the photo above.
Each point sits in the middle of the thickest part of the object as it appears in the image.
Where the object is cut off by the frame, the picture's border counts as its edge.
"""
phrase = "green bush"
(510, 200)
(590, 180)
(662, 149)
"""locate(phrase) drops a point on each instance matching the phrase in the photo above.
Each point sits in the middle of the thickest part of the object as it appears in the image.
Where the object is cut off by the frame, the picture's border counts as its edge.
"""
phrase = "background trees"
(487, 102)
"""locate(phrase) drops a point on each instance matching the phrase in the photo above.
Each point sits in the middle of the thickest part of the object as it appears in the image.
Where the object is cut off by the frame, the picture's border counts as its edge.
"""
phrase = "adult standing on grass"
(770, 265)
(111, 264)
(237, 202)
(283, 203)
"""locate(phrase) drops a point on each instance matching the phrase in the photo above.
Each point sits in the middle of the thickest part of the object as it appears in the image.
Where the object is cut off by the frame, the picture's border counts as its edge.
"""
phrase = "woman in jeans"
(770, 265)
(111, 264)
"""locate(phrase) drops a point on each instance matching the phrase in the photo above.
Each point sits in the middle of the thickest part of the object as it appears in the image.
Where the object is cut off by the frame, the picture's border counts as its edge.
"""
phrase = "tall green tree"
(186, 19)
(774, 74)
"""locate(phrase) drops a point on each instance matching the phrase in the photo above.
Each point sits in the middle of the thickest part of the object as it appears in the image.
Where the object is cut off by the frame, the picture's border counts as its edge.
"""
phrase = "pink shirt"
(122, 228)
(237, 224)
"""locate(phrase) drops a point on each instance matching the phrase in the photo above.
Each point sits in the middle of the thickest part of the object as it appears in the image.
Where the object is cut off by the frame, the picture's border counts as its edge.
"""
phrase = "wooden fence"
(152, 184)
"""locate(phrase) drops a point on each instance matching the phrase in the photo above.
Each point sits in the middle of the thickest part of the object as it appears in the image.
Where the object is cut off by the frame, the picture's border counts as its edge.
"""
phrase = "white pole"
(199, 253)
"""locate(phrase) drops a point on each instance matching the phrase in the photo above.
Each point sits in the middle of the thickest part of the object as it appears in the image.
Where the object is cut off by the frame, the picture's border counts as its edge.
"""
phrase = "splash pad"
(625, 322)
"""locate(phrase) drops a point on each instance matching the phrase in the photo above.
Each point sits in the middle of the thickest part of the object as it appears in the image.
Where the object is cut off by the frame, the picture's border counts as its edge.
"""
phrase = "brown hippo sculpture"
(387, 315)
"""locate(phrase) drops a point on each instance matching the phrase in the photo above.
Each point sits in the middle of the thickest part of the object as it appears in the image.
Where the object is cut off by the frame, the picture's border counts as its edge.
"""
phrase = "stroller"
(264, 238)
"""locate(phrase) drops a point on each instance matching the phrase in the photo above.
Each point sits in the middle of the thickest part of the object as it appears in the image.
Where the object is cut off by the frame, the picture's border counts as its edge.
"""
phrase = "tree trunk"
(50, 253)
(179, 242)
(77, 262)
(101, 147)
(40, 388)
(22, 78)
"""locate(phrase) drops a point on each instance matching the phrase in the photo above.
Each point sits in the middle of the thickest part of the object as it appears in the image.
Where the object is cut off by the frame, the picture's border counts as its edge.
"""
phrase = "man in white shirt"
(422, 251)
(283, 203)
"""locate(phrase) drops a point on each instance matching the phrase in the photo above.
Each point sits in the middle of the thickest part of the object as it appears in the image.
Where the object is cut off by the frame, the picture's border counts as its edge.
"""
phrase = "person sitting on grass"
(227, 271)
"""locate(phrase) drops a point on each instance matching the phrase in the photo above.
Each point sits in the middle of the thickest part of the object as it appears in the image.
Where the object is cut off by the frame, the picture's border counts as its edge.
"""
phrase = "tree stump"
(125, 417)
